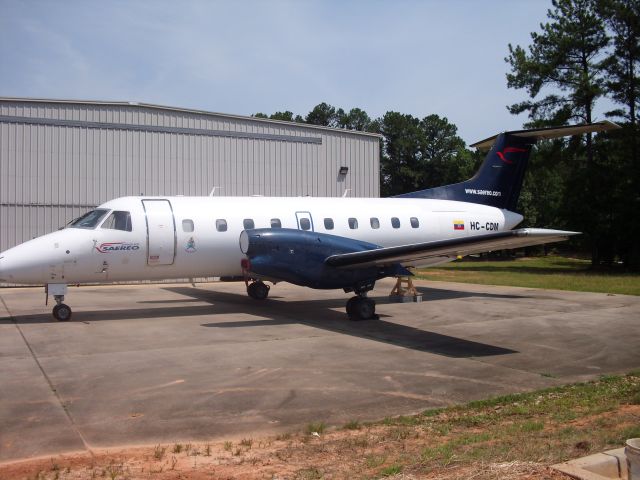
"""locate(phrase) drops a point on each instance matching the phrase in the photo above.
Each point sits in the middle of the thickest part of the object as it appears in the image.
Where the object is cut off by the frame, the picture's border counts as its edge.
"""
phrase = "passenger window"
(395, 222)
(305, 224)
(187, 225)
(276, 223)
(221, 225)
(353, 223)
(248, 224)
(375, 223)
(328, 223)
(415, 223)
(118, 221)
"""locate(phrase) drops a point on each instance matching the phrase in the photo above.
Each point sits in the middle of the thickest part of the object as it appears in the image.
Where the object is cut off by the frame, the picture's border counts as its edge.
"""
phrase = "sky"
(242, 57)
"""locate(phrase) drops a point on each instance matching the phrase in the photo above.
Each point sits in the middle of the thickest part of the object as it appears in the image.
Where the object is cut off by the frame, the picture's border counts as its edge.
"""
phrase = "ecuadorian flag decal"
(458, 224)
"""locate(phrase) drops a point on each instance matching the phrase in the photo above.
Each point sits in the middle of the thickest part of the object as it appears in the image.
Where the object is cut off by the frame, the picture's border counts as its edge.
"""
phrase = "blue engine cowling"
(297, 256)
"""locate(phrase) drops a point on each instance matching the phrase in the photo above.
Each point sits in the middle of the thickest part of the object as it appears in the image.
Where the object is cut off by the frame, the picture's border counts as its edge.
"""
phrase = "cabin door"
(305, 222)
(161, 232)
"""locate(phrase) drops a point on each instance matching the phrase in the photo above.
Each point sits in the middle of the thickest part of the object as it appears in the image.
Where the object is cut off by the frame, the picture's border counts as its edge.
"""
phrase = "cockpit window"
(90, 219)
(118, 220)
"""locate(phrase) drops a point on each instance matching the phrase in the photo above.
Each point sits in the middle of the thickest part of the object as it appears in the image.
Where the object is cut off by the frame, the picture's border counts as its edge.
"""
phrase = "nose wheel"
(62, 312)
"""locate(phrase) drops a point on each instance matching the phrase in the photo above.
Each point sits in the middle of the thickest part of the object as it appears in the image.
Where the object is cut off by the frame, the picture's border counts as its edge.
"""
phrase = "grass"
(158, 452)
(352, 425)
(507, 437)
(550, 272)
(527, 427)
(315, 427)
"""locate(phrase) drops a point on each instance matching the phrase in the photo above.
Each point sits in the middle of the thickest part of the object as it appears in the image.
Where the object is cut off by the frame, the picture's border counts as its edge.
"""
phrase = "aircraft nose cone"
(5, 269)
(13, 268)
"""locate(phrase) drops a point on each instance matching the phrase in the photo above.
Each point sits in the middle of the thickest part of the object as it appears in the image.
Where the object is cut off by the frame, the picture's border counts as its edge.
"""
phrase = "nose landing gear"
(61, 312)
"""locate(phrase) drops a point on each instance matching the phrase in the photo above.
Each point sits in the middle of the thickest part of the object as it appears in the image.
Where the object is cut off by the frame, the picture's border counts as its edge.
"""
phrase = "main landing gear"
(258, 290)
(361, 308)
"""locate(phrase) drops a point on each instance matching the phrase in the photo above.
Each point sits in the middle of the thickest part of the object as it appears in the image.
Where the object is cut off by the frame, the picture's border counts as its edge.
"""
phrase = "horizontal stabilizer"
(418, 253)
(550, 132)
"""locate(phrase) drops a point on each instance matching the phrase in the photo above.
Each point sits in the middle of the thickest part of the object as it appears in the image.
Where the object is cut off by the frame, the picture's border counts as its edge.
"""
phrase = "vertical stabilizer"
(499, 180)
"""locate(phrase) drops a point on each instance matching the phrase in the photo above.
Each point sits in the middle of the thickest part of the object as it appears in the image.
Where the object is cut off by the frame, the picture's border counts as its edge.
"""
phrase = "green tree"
(622, 18)
(400, 153)
(355, 119)
(419, 154)
(286, 116)
(566, 55)
(543, 192)
(444, 156)
(562, 72)
(322, 114)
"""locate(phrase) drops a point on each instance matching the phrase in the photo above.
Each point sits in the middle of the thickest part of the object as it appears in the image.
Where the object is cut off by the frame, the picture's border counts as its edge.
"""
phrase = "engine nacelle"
(297, 256)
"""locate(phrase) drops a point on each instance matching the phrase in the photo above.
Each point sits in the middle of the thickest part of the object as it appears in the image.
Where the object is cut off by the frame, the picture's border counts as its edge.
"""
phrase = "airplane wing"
(420, 252)
(550, 132)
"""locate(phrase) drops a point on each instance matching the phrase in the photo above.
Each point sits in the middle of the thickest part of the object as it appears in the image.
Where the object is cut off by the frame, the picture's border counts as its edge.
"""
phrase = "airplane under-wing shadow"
(441, 294)
(297, 312)
(328, 315)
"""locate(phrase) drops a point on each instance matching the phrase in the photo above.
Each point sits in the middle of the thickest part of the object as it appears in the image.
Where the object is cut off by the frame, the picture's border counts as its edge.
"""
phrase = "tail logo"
(502, 153)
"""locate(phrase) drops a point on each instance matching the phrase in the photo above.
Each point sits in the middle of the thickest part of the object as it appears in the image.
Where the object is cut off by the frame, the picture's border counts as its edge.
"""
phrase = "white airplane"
(325, 243)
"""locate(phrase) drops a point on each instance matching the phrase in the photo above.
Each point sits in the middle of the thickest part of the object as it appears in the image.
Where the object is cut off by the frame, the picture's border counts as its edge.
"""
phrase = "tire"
(62, 313)
(363, 309)
(258, 290)
(350, 303)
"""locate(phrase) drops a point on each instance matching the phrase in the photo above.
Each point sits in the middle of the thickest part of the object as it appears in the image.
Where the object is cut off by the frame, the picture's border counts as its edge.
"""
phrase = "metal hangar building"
(59, 158)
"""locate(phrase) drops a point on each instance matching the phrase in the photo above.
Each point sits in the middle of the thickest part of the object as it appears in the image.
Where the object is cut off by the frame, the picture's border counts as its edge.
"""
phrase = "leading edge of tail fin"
(499, 180)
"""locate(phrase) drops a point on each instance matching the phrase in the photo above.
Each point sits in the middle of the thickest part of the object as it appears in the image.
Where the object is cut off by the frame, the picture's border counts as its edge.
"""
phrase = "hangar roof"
(184, 110)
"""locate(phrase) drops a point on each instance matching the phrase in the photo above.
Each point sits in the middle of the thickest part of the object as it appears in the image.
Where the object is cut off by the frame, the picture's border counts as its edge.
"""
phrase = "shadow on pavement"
(321, 314)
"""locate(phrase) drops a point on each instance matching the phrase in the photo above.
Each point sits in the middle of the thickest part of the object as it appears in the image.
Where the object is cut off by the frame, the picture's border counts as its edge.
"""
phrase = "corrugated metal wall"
(57, 159)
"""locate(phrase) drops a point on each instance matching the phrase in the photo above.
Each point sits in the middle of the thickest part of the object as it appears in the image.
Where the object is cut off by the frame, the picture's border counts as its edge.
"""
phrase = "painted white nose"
(19, 265)
(5, 268)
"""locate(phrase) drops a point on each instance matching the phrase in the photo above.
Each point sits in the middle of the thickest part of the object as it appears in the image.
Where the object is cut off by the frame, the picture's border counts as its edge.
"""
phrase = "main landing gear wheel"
(361, 308)
(258, 290)
(62, 312)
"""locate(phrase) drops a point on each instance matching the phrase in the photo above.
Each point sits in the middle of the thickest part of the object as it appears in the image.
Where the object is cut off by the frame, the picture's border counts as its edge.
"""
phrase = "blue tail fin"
(499, 180)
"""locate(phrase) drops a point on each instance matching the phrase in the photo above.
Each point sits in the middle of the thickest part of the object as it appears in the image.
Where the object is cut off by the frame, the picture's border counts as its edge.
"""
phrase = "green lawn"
(537, 272)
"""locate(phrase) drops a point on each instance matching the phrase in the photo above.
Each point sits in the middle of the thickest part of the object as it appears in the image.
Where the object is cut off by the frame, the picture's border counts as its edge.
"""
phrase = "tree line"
(584, 56)
(415, 153)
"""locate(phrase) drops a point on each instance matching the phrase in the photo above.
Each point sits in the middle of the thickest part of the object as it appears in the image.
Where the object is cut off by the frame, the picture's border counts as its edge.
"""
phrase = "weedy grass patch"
(551, 272)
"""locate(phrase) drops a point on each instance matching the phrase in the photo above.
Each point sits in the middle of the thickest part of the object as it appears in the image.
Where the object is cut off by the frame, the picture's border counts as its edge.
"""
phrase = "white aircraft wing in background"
(418, 253)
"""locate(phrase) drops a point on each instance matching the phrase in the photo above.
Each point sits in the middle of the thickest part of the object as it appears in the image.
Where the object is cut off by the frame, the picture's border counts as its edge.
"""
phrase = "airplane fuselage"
(146, 238)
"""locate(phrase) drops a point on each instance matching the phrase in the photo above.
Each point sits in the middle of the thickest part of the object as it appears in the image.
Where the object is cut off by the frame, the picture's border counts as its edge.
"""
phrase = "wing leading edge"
(418, 252)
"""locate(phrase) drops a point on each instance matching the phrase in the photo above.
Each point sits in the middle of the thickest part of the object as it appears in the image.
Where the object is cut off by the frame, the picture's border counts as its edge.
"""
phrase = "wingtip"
(544, 232)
